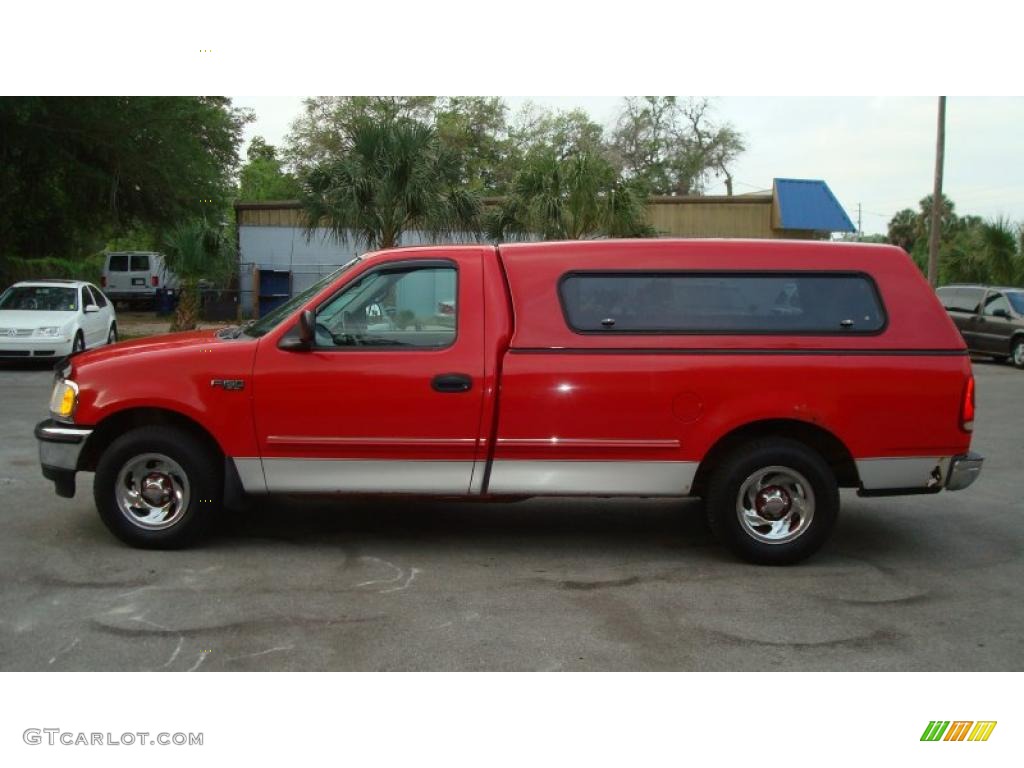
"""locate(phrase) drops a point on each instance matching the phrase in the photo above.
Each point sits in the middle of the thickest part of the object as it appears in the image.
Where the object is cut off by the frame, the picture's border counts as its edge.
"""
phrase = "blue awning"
(809, 204)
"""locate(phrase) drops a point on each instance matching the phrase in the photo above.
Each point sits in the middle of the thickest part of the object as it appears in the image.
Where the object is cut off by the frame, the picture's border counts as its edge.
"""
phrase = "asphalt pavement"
(908, 583)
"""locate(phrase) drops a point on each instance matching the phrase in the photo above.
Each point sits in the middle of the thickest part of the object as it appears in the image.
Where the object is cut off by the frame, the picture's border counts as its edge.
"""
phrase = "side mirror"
(1001, 313)
(91, 308)
(300, 338)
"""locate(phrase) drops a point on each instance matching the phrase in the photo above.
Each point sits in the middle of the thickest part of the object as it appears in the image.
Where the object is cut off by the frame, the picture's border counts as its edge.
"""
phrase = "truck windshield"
(270, 320)
(1017, 300)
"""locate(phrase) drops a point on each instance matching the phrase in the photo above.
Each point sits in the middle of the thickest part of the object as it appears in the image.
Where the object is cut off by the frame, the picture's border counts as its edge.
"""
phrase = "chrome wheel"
(152, 491)
(1018, 354)
(775, 505)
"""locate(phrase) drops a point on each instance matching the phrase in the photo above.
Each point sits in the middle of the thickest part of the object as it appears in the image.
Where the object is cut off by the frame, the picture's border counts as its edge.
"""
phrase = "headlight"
(50, 331)
(64, 399)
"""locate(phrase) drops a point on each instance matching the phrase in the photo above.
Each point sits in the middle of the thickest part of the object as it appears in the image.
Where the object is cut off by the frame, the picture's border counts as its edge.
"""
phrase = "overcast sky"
(878, 152)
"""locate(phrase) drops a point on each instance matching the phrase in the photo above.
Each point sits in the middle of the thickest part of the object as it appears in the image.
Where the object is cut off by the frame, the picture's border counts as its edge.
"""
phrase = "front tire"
(78, 345)
(112, 334)
(158, 487)
(773, 501)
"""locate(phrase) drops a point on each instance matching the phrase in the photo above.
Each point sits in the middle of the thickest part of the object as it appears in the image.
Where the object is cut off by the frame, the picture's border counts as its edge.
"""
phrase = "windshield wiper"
(239, 330)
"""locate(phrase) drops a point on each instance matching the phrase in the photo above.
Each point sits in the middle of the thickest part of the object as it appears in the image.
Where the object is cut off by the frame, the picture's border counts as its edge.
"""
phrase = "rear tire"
(158, 487)
(773, 501)
(1017, 353)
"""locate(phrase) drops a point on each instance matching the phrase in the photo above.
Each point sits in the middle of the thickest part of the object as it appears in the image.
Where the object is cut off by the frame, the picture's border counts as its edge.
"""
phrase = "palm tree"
(572, 198)
(391, 177)
(999, 246)
(196, 251)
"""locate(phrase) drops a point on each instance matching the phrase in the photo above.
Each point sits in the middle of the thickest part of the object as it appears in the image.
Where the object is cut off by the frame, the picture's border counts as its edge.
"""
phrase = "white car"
(54, 319)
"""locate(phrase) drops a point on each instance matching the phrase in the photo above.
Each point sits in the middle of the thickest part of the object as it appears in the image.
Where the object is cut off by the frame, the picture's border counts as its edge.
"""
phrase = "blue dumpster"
(166, 300)
(275, 288)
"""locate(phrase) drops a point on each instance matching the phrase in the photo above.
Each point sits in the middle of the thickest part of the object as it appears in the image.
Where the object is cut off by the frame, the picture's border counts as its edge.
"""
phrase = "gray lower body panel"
(592, 478)
(902, 472)
(553, 478)
(360, 476)
(541, 478)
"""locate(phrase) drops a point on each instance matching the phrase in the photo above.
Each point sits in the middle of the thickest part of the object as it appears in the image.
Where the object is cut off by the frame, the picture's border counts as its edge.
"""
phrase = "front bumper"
(34, 348)
(59, 448)
(963, 470)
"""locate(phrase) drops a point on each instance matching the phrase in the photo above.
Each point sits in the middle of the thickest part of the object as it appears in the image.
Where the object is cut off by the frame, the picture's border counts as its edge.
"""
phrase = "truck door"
(389, 398)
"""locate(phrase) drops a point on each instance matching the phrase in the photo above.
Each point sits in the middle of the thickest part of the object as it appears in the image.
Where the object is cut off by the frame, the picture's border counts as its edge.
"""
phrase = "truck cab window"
(408, 307)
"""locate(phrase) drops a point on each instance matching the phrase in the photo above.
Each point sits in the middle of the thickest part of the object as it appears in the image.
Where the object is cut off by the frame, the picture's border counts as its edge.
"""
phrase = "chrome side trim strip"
(300, 441)
(595, 443)
(902, 472)
(592, 478)
(367, 476)
(250, 472)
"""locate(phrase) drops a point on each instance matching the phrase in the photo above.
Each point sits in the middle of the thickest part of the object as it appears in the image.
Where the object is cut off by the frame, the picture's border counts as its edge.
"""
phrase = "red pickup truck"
(762, 376)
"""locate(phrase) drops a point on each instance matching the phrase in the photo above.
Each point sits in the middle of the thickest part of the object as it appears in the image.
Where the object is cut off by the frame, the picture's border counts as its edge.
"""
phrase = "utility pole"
(860, 229)
(936, 225)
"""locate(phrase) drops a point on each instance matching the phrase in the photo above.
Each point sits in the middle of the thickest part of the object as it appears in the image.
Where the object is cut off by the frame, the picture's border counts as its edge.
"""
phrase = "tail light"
(103, 281)
(156, 281)
(967, 407)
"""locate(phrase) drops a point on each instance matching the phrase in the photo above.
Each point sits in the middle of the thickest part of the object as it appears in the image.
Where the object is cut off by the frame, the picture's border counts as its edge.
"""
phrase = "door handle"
(452, 382)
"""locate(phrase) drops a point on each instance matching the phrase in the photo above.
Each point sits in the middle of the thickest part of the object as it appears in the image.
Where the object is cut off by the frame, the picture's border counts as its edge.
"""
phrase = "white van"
(135, 275)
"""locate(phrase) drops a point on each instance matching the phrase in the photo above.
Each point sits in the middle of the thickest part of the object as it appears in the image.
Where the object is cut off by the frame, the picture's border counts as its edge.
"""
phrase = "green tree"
(263, 177)
(560, 132)
(197, 251)
(474, 131)
(903, 229)
(391, 176)
(75, 171)
(971, 249)
(569, 198)
(673, 147)
(948, 219)
(998, 240)
(321, 133)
